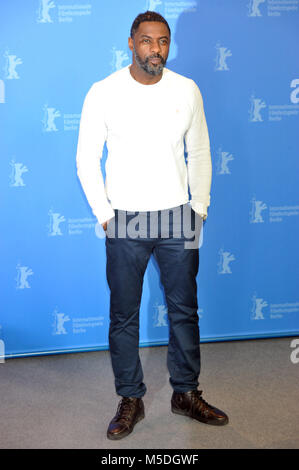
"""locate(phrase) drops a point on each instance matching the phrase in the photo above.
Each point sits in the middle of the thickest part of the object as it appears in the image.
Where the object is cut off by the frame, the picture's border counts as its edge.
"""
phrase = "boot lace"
(124, 410)
(197, 399)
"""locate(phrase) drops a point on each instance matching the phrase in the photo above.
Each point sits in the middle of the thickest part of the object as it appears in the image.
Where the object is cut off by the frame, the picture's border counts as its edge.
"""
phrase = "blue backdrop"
(243, 56)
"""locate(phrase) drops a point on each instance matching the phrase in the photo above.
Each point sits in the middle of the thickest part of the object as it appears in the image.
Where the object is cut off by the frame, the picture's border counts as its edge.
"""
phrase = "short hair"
(147, 16)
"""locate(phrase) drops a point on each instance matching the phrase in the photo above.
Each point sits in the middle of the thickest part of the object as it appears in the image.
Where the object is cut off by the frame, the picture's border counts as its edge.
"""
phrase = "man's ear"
(131, 44)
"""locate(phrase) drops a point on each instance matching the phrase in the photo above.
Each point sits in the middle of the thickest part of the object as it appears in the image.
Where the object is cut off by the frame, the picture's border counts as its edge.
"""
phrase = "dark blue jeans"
(127, 259)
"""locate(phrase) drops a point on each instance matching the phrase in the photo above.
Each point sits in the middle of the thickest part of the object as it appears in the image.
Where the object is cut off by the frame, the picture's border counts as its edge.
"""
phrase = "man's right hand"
(104, 224)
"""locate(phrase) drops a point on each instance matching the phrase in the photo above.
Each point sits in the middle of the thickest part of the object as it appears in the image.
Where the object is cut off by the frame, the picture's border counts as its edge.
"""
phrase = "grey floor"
(66, 401)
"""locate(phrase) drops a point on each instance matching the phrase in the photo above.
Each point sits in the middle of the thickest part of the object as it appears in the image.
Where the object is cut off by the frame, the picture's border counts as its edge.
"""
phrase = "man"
(146, 113)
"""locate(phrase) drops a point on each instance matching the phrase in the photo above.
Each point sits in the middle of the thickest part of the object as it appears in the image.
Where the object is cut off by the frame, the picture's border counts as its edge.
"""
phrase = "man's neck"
(143, 77)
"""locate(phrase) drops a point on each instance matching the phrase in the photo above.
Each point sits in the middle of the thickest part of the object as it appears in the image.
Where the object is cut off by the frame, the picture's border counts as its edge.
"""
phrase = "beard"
(152, 69)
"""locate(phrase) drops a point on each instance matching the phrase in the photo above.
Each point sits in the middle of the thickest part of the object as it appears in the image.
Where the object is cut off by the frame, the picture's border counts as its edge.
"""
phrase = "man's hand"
(104, 224)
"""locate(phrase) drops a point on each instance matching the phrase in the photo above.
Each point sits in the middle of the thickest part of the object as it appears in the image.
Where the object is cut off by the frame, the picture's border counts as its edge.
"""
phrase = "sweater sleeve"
(92, 136)
(199, 162)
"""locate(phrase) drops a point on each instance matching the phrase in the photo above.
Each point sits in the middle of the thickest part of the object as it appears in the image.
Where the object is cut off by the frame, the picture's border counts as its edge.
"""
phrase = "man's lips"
(155, 60)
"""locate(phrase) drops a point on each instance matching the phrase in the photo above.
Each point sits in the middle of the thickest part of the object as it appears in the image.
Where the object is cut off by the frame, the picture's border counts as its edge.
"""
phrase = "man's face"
(150, 46)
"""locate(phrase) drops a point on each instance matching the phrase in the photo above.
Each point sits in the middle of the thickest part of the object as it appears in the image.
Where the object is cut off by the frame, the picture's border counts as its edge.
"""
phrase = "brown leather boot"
(193, 405)
(130, 410)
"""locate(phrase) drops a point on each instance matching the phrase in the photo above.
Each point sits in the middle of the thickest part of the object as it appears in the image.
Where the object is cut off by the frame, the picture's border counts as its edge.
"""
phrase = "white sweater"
(145, 128)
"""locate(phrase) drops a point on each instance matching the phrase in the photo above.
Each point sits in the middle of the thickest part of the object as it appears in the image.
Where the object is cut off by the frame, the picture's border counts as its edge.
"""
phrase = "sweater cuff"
(105, 214)
(200, 208)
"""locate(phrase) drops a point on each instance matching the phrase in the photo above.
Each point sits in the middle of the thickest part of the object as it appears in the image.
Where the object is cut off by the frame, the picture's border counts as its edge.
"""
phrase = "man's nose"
(156, 47)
